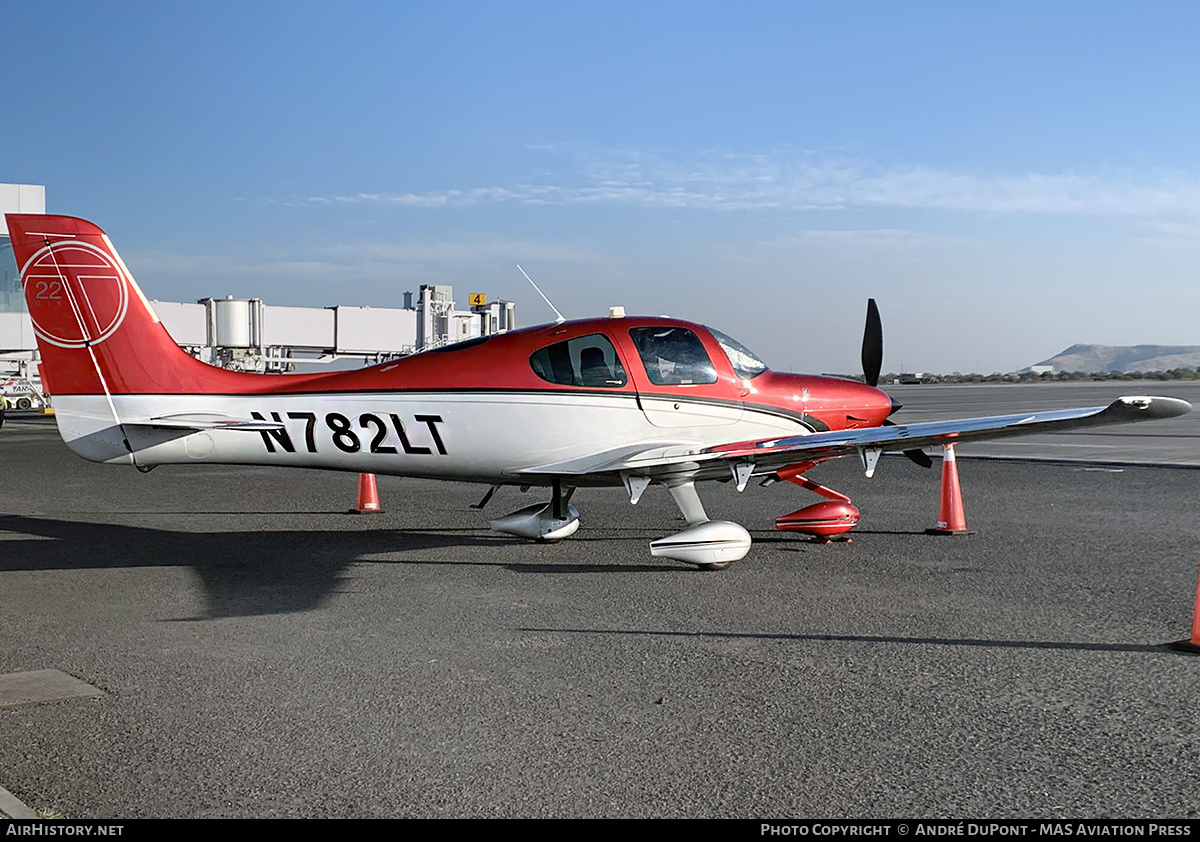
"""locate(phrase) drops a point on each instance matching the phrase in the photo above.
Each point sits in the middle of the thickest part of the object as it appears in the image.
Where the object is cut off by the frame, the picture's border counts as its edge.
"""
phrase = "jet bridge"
(248, 335)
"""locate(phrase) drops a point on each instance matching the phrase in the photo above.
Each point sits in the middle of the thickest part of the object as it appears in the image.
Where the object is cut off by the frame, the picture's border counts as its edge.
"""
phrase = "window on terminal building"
(12, 297)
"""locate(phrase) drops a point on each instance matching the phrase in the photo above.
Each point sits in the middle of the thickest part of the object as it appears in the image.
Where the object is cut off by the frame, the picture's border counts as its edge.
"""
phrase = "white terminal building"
(250, 335)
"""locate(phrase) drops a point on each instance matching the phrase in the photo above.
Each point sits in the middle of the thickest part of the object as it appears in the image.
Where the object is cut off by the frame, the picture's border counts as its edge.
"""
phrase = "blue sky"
(1005, 178)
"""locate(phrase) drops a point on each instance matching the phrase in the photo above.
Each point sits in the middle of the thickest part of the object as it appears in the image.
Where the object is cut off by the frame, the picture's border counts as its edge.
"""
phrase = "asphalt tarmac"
(261, 653)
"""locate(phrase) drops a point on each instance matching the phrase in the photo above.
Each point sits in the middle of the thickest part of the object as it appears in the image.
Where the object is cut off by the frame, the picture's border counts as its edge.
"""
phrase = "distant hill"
(1125, 358)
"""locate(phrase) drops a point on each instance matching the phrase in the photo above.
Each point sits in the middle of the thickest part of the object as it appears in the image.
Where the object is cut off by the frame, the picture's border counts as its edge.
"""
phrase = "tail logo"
(77, 294)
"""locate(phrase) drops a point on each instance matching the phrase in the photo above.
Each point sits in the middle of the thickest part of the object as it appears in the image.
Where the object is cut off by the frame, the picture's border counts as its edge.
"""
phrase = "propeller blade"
(916, 454)
(872, 363)
(872, 347)
(920, 457)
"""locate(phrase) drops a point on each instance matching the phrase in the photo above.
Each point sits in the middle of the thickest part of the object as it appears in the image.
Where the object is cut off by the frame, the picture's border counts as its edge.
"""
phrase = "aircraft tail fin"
(96, 332)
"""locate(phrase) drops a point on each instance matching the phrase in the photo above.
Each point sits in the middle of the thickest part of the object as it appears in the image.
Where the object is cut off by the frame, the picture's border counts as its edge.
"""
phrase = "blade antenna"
(561, 318)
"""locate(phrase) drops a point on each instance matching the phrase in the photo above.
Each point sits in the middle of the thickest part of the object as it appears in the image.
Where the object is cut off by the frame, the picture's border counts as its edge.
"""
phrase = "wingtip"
(1154, 406)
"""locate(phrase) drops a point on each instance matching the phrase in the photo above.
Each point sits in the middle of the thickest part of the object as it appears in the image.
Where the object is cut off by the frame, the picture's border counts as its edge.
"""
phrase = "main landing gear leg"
(689, 504)
(561, 501)
(708, 544)
(545, 521)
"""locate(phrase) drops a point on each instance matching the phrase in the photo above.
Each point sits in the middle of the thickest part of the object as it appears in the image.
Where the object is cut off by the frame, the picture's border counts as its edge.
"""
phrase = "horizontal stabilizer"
(203, 421)
(650, 454)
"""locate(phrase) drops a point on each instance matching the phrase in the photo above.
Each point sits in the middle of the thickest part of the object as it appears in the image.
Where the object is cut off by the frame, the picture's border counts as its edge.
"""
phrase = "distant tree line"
(1054, 376)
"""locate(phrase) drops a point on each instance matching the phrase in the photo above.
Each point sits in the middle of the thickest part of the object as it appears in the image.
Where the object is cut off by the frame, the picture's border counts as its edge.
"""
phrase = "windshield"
(744, 361)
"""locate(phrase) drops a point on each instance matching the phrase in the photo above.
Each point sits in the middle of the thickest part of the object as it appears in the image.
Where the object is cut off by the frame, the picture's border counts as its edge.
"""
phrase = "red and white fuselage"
(479, 411)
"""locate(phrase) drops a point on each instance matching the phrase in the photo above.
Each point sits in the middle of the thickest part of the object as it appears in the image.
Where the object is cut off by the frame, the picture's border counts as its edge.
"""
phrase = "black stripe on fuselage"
(807, 421)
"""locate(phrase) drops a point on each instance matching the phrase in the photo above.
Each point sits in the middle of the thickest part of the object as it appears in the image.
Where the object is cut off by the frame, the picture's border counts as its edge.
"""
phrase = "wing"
(767, 455)
(1123, 410)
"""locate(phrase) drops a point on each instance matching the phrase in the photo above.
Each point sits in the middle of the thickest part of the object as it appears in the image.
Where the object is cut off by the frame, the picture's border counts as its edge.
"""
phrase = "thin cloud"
(415, 261)
(1173, 234)
(801, 180)
(448, 198)
(856, 240)
(462, 251)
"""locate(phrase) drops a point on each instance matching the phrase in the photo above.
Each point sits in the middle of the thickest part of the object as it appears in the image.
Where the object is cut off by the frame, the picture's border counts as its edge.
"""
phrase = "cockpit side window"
(586, 361)
(673, 356)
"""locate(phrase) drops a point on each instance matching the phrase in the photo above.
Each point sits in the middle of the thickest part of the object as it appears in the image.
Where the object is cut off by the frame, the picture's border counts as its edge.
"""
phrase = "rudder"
(95, 330)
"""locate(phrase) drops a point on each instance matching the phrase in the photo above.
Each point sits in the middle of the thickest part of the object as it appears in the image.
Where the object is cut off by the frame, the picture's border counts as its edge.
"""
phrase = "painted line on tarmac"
(12, 807)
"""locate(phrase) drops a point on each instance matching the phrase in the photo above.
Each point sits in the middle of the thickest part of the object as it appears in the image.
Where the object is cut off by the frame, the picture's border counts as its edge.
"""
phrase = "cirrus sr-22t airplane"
(622, 402)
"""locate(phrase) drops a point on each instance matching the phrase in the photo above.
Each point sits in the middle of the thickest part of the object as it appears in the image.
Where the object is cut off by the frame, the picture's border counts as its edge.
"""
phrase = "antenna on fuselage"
(561, 317)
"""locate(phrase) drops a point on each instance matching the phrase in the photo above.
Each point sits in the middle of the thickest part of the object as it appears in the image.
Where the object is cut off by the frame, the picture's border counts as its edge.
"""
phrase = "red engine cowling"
(831, 517)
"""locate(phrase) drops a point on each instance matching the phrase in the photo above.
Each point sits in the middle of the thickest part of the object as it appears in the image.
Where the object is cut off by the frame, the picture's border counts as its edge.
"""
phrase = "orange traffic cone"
(368, 495)
(952, 519)
(1192, 645)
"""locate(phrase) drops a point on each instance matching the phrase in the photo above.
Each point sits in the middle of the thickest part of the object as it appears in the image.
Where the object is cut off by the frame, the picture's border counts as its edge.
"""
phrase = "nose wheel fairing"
(821, 520)
(833, 517)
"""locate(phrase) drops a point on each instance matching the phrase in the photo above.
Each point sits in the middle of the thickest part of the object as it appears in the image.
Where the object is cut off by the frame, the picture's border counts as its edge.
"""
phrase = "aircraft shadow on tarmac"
(1159, 648)
(796, 541)
(255, 573)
